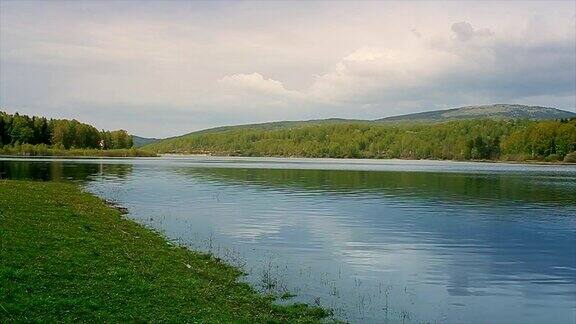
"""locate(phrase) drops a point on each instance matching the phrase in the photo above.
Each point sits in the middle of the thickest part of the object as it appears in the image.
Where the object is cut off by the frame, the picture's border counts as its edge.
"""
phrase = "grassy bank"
(67, 256)
(45, 150)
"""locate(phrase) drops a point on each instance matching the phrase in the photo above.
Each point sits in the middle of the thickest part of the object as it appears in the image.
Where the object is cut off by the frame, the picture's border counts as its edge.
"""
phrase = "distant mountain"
(141, 141)
(496, 111)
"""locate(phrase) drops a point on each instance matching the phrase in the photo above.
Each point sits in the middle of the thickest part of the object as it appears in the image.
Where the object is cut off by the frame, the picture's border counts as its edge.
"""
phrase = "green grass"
(67, 256)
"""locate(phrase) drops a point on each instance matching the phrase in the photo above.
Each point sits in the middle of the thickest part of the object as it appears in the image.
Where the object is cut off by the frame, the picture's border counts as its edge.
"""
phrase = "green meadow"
(66, 255)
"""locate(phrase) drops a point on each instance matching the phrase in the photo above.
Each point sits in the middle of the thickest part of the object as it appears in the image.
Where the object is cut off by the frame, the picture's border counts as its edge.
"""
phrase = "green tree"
(21, 131)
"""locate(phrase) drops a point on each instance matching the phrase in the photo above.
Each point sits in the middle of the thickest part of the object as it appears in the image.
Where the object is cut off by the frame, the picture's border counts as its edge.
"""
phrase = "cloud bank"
(161, 69)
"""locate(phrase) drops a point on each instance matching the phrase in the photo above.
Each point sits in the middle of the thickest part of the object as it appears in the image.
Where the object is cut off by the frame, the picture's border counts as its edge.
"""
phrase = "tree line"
(482, 139)
(16, 129)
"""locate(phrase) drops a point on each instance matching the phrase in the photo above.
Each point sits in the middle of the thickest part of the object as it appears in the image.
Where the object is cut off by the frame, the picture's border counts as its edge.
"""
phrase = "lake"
(376, 240)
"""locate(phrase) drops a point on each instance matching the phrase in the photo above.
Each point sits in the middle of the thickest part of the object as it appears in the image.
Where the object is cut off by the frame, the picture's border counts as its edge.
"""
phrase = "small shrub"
(553, 158)
(570, 157)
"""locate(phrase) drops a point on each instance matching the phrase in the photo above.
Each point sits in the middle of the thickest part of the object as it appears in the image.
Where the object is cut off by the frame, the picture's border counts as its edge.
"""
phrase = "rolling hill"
(494, 111)
(491, 132)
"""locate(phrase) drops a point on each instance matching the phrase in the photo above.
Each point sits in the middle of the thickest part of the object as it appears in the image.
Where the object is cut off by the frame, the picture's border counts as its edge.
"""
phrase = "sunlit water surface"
(376, 241)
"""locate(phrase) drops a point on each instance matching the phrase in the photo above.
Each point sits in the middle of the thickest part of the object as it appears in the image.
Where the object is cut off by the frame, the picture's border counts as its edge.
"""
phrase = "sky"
(167, 68)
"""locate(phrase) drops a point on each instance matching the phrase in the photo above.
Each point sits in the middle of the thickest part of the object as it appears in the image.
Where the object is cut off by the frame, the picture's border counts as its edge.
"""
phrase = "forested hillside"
(458, 140)
(16, 129)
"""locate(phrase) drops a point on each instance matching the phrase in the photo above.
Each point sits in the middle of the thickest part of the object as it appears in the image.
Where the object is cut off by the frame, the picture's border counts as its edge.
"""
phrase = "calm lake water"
(377, 241)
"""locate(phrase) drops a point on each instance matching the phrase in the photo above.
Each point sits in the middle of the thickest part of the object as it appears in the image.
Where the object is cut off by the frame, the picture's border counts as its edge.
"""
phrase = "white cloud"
(255, 83)
(359, 75)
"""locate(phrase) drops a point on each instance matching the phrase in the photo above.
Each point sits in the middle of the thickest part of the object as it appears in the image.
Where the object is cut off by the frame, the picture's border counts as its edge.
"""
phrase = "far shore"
(365, 159)
(151, 155)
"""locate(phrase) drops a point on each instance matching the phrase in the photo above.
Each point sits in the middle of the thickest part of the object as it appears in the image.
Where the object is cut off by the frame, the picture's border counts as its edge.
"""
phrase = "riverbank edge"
(140, 153)
(160, 155)
(528, 162)
(88, 263)
(41, 150)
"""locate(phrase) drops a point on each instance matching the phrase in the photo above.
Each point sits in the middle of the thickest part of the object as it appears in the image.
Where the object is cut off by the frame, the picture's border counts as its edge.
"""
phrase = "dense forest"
(480, 139)
(16, 130)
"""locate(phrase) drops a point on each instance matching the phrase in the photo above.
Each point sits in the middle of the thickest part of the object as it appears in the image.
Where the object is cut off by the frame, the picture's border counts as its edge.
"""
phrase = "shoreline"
(529, 162)
(184, 155)
(86, 260)
(76, 157)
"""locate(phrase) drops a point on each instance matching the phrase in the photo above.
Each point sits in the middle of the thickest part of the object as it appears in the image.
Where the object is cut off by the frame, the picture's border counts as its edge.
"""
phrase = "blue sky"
(166, 68)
